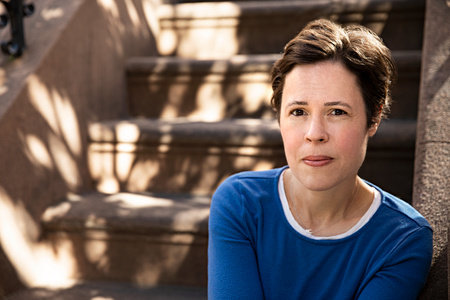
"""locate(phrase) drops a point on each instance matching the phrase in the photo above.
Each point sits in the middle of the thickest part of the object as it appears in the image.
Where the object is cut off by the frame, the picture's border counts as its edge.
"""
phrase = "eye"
(298, 112)
(338, 112)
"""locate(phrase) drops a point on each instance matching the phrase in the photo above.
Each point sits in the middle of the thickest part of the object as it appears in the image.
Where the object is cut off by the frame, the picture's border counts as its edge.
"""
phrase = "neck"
(334, 209)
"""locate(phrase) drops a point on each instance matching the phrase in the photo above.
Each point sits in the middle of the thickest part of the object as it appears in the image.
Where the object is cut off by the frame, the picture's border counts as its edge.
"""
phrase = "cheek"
(351, 142)
(291, 139)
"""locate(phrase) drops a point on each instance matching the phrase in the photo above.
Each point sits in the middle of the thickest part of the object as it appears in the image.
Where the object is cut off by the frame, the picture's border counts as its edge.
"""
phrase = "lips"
(317, 160)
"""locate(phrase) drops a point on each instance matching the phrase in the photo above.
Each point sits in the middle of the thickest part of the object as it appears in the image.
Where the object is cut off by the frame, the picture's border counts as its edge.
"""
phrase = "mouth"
(317, 160)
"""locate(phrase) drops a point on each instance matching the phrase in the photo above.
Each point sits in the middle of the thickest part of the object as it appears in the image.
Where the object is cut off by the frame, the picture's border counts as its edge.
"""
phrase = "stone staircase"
(197, 114)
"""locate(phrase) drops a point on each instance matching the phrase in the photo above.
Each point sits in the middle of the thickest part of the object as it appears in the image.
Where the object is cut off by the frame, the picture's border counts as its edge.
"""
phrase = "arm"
(405, 272)
(232, 266)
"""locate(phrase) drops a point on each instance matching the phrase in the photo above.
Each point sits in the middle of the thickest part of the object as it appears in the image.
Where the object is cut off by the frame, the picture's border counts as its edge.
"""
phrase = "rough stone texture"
(431, 180)
(71, 73)
(146, 239)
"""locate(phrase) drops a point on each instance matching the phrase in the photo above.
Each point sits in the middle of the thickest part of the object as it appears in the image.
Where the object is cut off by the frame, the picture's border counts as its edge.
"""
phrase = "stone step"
(111, 290)
(211, 90)
(182, 156)
(179, 156)
(144, 239)
(220, 29)
(239, 87)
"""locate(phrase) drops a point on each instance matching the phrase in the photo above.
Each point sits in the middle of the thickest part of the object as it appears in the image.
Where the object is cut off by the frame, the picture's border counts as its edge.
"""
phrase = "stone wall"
(432, 163)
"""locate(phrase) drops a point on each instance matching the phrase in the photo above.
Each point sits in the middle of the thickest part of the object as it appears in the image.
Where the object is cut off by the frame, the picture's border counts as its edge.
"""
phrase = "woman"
(314, 229)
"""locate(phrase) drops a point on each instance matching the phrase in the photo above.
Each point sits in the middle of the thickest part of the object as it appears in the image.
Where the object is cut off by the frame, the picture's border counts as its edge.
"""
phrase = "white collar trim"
(290, 218)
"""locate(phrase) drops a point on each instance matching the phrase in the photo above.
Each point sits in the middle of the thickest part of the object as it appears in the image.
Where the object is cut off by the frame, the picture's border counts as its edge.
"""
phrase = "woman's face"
(323, 125)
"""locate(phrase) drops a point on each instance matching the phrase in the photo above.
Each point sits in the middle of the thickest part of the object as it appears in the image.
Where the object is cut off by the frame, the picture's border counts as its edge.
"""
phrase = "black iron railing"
(16, 11)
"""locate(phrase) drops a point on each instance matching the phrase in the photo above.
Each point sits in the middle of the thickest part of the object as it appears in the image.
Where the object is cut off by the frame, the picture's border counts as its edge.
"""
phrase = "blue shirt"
(254, 253)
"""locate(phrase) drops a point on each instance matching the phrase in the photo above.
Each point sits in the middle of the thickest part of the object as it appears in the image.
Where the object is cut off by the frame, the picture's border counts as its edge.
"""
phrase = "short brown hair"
(358, 48)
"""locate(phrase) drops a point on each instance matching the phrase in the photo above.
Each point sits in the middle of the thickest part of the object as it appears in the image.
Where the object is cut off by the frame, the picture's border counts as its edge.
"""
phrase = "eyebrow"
(297, 103)
(332, 103)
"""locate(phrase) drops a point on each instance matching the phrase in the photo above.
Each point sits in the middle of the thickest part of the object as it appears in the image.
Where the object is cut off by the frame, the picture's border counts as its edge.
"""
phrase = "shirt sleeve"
(232, 264)
(405, 272)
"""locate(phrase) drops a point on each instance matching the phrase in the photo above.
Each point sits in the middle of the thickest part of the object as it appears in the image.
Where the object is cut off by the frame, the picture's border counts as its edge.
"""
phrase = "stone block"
(143, 239)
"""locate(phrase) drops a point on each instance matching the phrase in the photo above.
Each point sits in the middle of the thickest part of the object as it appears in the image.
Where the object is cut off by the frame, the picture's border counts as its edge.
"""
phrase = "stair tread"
(130, 213)
(111, 290)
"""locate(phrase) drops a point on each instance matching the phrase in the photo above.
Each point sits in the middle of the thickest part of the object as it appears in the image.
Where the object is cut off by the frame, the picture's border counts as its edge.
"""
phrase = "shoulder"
(396, 222)
(404, 212)
(250, 181)
(245, 191)
(398, 232)
(237, 204)
(397, 227)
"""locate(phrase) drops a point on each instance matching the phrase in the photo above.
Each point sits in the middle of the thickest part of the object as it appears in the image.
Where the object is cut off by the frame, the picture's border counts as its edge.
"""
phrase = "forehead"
(325, 81)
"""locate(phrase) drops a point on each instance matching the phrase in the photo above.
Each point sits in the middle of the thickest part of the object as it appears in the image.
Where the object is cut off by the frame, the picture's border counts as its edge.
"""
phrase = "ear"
(374, 127)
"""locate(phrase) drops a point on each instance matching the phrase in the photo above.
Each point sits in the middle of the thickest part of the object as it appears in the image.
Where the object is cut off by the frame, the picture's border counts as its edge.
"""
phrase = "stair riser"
(235, 91)
(146, 260)
(212, 30)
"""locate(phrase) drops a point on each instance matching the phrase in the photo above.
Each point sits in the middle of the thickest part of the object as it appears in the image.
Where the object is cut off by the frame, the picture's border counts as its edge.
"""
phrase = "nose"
(316, 131)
